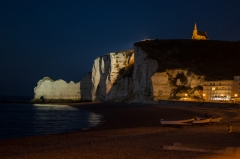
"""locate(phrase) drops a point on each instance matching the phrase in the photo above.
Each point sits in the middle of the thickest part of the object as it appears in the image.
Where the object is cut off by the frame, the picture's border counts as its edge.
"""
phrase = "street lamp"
(203, 97)
(186, 96)
(235, 95)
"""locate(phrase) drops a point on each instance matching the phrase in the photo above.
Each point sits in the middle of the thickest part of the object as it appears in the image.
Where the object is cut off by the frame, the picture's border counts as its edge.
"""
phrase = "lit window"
(213, 88)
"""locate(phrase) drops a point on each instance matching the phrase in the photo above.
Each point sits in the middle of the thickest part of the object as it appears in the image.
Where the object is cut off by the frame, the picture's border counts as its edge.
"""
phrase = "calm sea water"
(22, 120)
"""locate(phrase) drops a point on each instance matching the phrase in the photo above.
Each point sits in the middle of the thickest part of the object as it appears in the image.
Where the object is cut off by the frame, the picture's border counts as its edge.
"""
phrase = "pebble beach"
(134, 131)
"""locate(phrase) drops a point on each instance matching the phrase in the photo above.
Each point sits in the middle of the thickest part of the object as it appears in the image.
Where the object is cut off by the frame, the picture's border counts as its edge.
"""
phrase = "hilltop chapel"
(198, 35)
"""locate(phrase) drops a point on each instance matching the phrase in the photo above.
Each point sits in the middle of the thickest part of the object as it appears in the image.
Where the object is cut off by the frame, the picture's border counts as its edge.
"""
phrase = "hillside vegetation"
(214, 59)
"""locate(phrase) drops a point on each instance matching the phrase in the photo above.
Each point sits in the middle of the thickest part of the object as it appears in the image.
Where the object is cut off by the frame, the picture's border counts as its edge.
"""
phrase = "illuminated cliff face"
(110, 80)
(144, 68)
(154, 70)
(176, 84)
(57, 90)
(152, 85)
(125, 76)
(108, 76)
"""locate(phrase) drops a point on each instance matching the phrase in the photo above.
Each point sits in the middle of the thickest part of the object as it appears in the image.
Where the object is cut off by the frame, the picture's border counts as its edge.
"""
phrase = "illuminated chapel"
(198, 35)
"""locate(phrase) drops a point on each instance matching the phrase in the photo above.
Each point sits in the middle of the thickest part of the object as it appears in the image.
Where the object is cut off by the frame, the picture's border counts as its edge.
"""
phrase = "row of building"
(222, 90)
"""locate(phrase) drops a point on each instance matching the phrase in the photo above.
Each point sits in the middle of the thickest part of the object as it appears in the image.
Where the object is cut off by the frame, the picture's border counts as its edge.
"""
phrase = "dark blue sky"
(60, 38)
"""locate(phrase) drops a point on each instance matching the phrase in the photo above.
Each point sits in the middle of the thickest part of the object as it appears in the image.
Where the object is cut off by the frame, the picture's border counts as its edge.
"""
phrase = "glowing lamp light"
(185, 94)
(204, 95)
(235, 95)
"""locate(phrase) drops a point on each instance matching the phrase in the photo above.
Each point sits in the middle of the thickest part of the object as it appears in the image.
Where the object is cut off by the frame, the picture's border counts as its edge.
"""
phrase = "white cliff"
(176, 83)
(107, 81)
(57, 90)
(161, 86)
(125, 76)
(110, 80)
(144, 68)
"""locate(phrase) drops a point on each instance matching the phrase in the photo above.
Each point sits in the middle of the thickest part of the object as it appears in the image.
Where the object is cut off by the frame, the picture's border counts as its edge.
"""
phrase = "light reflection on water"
(21, 120)
(94, 119)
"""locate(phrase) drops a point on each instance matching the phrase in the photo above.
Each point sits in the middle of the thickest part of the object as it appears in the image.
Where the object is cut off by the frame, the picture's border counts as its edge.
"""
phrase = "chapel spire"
(195, 26)
(198, 35)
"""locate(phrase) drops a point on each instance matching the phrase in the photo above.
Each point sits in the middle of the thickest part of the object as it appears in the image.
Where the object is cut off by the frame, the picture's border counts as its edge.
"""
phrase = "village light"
(235, 97)
(186, 97)
(204, 95)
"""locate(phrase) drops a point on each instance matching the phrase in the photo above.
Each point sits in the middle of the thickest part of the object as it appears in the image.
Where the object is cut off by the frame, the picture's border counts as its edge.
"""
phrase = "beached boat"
(202, 121)
(199, 118)
(215, 120)
(176, 122)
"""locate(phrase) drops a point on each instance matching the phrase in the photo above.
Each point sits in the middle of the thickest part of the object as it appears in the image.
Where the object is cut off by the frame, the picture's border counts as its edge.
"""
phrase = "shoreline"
(133, 131)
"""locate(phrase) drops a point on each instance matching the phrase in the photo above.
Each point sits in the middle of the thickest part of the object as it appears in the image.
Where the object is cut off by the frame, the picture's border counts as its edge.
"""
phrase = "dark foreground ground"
(134, 131)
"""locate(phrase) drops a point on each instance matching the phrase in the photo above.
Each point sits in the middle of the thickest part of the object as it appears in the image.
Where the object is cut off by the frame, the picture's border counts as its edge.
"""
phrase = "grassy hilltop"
(214, 59)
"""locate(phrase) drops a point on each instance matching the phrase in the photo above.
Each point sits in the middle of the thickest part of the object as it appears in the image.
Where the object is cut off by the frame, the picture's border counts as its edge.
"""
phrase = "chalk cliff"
(111, 76)
(154, 70)
(125, 76)
(144, 68)
(110, 80)
(151, 83)
(58, 90)
(176, 83)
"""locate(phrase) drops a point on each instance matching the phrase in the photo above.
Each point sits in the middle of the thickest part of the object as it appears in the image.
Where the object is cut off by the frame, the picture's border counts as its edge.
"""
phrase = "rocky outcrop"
(176, 84)
(161, 86)
(58, 90)
(111, 76)
(151, 84)
(144, 68)
(110, 80)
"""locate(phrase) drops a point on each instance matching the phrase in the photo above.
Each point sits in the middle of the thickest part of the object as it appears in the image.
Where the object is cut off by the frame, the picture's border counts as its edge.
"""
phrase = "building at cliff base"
(221, 90)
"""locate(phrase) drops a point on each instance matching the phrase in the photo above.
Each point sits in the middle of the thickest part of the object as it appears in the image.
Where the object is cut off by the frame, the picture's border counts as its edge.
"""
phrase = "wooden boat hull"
(216, 120)
(213, 120)
(202, 121)
(177, 122)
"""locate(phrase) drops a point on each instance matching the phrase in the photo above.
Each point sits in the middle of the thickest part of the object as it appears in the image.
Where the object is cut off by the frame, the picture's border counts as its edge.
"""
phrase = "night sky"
(61, 38)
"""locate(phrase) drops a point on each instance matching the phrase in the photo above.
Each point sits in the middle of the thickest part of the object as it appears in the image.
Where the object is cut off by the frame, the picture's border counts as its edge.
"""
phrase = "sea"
(19, 120)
